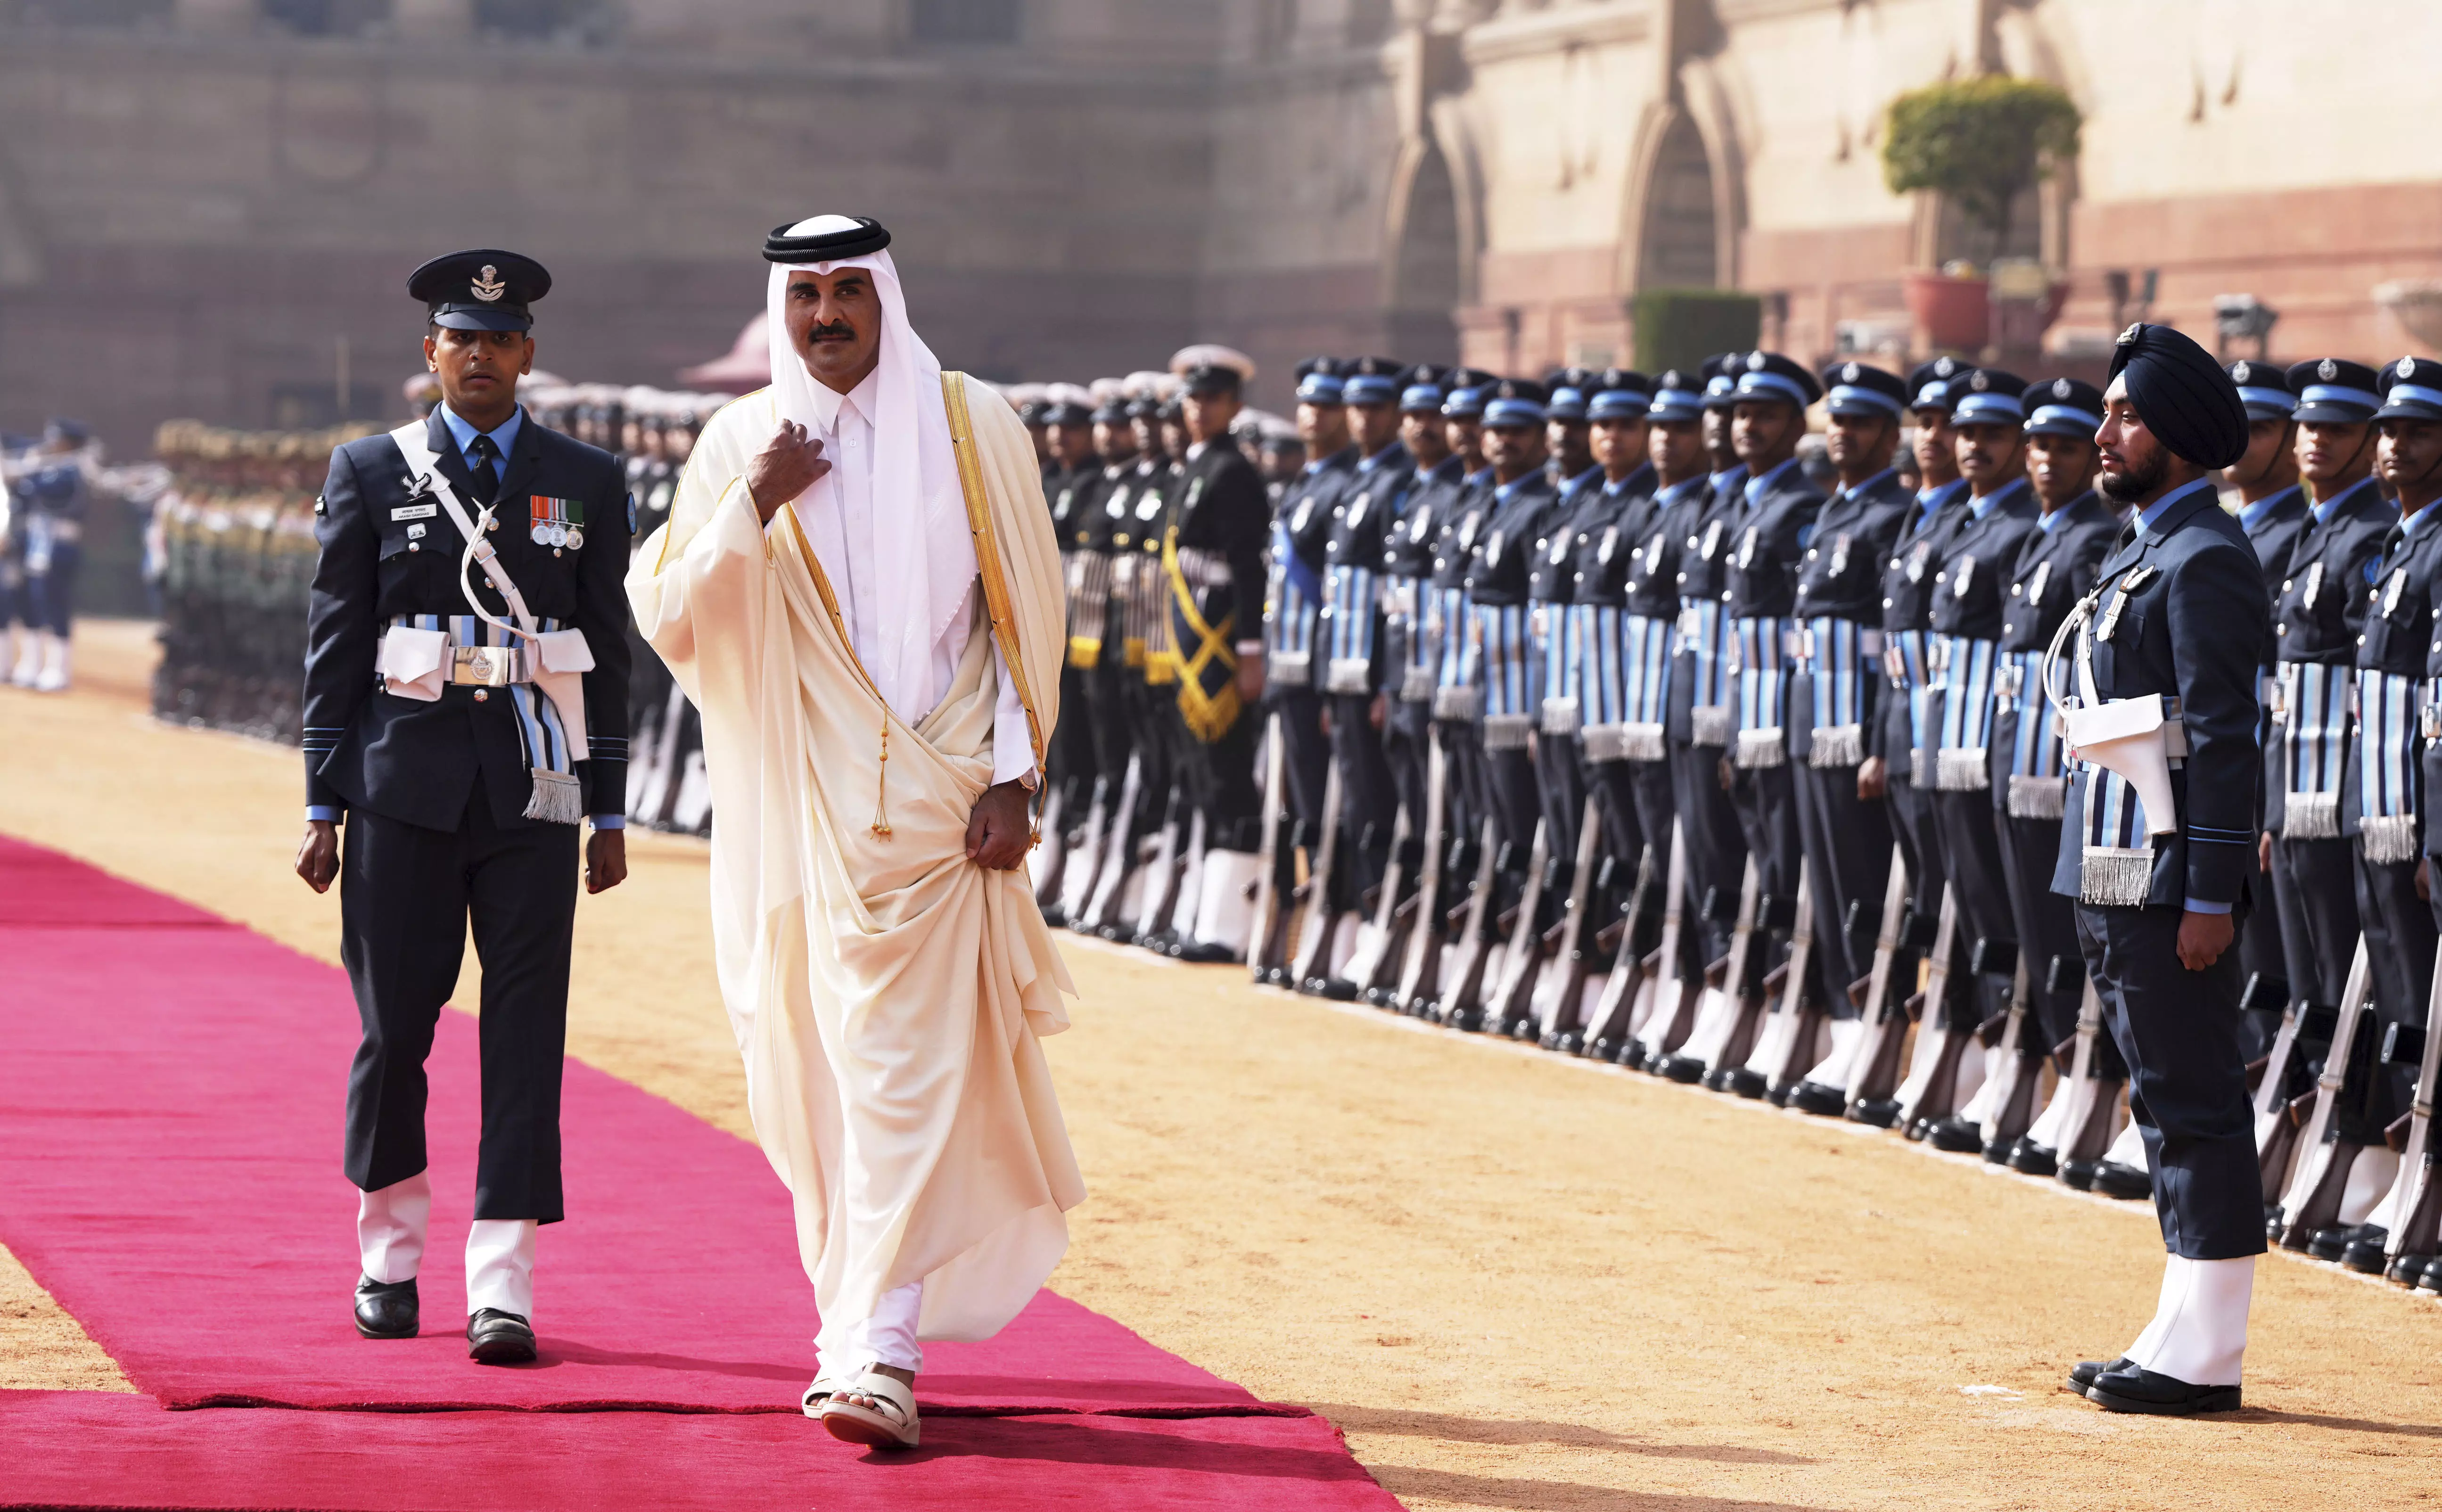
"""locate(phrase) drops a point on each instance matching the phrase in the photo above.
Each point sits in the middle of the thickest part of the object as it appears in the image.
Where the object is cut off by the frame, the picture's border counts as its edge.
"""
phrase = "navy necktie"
(487, 483)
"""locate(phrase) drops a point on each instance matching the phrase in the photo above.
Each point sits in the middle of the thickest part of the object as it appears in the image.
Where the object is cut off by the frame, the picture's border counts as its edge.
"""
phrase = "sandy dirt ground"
(1514, 1281)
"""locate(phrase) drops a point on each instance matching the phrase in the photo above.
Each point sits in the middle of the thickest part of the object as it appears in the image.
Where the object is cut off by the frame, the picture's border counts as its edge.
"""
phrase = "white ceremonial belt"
(1797, 644)
(2139, 738)
(490, 667)
(2008, 681)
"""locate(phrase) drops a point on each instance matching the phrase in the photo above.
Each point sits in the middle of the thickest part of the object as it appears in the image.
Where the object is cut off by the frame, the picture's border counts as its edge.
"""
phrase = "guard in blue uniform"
(2056, 567)
(1351, 629)
(1619, 659)
(1911, 711)
(1293, 602)
(466, 707)
(1701, 717)
(1838, 685)
(1499, 645)
(1585, 505)
(2273, 511)
(1407, 571)
(47, 501)
(1457, 703)
(2324, 592)
(2160, 818)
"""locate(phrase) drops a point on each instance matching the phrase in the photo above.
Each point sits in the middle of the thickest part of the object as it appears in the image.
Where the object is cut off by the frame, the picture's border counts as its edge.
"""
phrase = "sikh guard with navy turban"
(2154, 672)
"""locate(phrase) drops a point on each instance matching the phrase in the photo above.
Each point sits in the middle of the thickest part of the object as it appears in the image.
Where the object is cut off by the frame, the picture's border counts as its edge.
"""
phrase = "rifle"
(1509, 1006)
(1724, 1018)
(2276, 1138)
(2017, 1071)
(1615, 1011)
(2416, 1208)
(1461, 1003)
(1666, 1004)
(1044, 863)
(1077, 877)
(1420, 972)
(2323, 1158)
(1867, 1042)
(1561, 994)
(1118, 861)
(1318, 921)
(1377, 939)
(1161, 877)
(1938, 1071)
(1189, 902)
(1786, 1044)
(2093, 1106)
(1268, 943)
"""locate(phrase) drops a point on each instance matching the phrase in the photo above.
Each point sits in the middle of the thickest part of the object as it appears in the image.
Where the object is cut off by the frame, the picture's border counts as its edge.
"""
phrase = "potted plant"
(1979, 143)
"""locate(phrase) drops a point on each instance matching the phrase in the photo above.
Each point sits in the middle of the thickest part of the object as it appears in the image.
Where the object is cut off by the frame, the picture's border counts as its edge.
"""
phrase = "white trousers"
(391, 1226)
(2198, 1334)
(887, 1337)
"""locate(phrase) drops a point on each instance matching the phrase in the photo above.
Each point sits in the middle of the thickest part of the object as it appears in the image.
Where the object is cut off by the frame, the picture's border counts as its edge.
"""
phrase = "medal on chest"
(1840, 554)
(1560, 551)
(1653, 553)
(1466, 530)
(1920, 556)
(2392, 590)
(1417, 527)
(2314, 584)
(1357, 511)
(1117, 507)
(1609, 540)
(1712, 540)
(1746, 549)
(1149, 504)
(1492, 551)
(1964, 573)
(2035, 583)
(2128, 588)
(1304, 512)
(557, 522)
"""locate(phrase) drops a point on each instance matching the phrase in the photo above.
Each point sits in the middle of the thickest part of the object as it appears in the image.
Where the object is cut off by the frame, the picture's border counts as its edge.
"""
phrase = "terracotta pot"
(1951, 314)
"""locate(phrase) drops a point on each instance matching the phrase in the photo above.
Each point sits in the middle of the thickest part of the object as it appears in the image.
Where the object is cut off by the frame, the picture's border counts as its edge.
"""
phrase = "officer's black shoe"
(1114, 933)
(386, 1309)
(1916, 1132)
(1823, 1101)
(1778, 1096)
(2033, 1160)
(2432, 1279)
(2131, 1390)
(495, 1338)
(2364, 1254)
(1202, 954)
(1957, 1136)
(2082, 1375)
(1744, 1082)
(1602, 1049)
(1570, 1042)
(1465, 1020)
(2079, 1174)
(1882, 1112)
(2125, 1182)
(2331, 1243)
(2404, 1271)
(1054, 915)
(1685, 1070)
(2272, 1224)
(1716, 1080)
(1996, 1151)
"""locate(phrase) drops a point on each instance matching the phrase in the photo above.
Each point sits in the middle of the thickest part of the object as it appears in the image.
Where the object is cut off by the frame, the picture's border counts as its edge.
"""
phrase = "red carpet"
(170, 1118)
(92, 1449)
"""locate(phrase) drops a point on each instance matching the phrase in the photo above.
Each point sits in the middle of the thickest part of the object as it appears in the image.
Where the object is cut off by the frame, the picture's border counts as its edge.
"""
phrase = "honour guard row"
(1850, 764)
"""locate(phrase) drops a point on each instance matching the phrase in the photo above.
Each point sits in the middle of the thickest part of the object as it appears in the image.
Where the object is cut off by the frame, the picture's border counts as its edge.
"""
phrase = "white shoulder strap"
(426, 466)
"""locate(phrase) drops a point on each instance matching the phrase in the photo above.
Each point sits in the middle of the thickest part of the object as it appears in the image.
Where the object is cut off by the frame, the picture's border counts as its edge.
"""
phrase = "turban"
(2182, 394)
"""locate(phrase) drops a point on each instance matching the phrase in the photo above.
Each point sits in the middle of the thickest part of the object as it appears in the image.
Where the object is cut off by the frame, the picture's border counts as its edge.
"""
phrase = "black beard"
(2137, 483)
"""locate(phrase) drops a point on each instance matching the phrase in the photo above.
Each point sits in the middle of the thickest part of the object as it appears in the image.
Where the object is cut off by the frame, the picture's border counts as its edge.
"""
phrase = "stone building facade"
(208, 207)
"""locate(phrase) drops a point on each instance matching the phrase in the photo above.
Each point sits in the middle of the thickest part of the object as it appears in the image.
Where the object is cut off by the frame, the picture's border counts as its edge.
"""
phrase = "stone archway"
(1679, 244)
(1426, 264)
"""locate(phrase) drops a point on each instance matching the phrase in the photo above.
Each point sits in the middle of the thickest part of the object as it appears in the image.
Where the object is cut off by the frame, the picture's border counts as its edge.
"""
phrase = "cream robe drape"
(886, 993)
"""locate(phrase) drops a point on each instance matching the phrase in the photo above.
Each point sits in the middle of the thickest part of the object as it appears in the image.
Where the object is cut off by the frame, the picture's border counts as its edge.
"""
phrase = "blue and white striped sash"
(1966, 683)
(1350, 636)
(1835, 659)
(1562, 652)
(2315, 744)
(1700, 638)
(1758, 647)
(1625, 673)
(538, 728)
(2388, 769)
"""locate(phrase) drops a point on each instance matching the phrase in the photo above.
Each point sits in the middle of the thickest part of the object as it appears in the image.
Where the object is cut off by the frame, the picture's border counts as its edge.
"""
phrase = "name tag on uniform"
(423, 510)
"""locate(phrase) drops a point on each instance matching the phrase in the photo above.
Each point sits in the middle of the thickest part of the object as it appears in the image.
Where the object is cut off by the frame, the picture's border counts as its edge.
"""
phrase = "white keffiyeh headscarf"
(919, 531)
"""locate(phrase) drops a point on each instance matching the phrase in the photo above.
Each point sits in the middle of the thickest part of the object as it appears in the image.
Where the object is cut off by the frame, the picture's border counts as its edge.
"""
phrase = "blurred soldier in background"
(47, 495)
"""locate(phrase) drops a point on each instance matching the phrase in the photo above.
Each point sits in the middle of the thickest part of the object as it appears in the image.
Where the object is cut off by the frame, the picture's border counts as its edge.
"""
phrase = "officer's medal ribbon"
(1966, 571)
(1840, 555)
(2035, 583)
(1712, 540)
(2314, 584)
(1746, 549)
(557, 522)
(2128, 587)
(1917, 559)
(2391, 591)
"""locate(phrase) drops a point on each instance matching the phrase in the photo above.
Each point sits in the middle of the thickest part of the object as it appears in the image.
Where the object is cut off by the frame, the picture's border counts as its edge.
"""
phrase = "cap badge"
(2060, 388)
(1849, 373)
(2128, 337)
(2407, 367)
(2327, 369)
(1978, 382)
(488, 286)
(2238, 372)
(1756, 361)
(1944, 367)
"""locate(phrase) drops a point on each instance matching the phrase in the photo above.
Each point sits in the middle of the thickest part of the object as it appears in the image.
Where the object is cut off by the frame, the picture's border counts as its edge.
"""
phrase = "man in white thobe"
(859, 589)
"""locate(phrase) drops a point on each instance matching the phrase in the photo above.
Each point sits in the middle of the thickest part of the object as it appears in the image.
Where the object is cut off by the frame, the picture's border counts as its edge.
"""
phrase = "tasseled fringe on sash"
(2039, 797)
(1507, 732)
(1712, 724)
(1837, 745)
(1416, 686)
(1292, 669)
(1462, 703)
(1624, 743)
(1561, 716)
(1760, 748)
(1085, 651)
(2311, 817)
(1348, 674)
(557, 797)
(1962, 770)
(881, 786)
(2390, 839)
(2115, 876)
(1160, 668)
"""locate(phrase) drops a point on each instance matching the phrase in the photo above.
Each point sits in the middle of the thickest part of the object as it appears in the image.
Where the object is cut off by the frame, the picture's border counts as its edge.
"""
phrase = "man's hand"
(1873, 780)
(787, 466)
(1251, 677)
(2264, 851)
(318, 854)
(998, 833)
(606, 860)
(2203, 938)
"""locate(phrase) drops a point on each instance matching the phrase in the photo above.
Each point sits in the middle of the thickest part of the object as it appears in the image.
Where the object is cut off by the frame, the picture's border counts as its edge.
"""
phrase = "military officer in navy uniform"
(1406, 569)
(1294, 595)
(1838, 685)
(1618, 661)
(2273, 511)
(1499, 650)
(2178, 612)
(1586, 503)
(2324, 595)
(1701, 717)
(465, 706)
(1069, 472)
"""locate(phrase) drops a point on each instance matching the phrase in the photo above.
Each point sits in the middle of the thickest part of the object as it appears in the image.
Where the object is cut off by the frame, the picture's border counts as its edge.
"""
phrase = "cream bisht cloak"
(888, 994)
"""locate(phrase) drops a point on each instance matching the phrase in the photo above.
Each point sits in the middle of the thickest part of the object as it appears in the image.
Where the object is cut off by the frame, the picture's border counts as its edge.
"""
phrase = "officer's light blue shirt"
(504, 436)
(2251, 517)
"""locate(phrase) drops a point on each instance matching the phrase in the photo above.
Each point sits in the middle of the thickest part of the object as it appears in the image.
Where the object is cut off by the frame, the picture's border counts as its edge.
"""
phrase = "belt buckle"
(482, 665)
